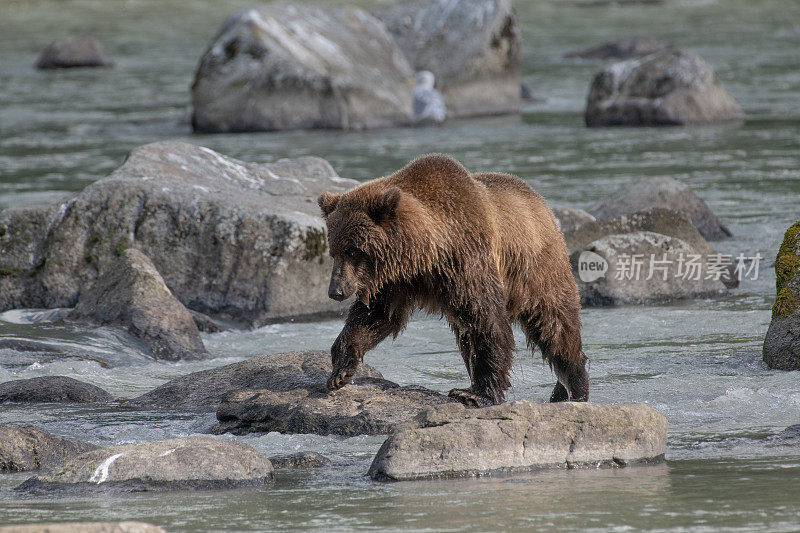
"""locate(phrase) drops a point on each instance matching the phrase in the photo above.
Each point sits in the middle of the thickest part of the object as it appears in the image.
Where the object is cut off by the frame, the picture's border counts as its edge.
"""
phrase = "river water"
(699, 362)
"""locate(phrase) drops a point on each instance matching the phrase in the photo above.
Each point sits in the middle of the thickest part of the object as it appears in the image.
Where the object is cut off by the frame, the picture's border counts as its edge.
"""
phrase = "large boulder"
(452, 441)
(205, 390)
(23, 449)
(282, 67)
(782, 343)
(84, 527)
(473, 48)
(202, 463)
(644, 267)
(52, 389)
(367, 406)
(241, 241)
(622, 49)
(669, 88)
(663, 192)
(131, 294)
(74, 51)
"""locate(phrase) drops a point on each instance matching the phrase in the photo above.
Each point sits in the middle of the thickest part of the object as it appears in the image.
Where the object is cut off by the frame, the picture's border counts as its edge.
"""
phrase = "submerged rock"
(623, 49)
(298, 461)
(452, 441)
(570, 218)
(282, 67)
(201, 463)
(205, 390)
(74, 51)
(669, 88)
(52, 389)
(662, 192)
(205, 323)
(367, 406)
(473, 47)
(240, 241)
(782, 343)
(23, 449)
(131, 294)
(644, 267)
(84, 527)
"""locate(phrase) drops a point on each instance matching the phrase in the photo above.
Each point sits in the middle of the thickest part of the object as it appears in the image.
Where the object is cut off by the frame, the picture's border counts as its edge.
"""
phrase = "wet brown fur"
(481, 249)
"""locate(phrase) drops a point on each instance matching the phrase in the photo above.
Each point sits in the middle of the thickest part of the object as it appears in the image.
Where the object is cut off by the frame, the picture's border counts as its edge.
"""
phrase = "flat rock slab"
(368, 406)
(52, 389)
(205, 390)
(23, 449)
(201, 463)
(84, 527)
(452, 441)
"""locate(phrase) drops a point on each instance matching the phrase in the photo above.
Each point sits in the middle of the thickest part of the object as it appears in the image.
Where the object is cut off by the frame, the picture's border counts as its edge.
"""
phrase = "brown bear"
(481, 249)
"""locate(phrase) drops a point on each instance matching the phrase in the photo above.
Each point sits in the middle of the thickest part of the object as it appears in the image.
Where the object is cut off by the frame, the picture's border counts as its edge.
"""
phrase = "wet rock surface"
(623, 49)
(131, 294)
(240, 241)
(665, 193)
(52, 389)
(206, 389)
(452, 441)
(669, 88)
(299, 461)
(782, 342)
(74, 51)
(23, 449)
(367, 406)
(473, 48)
(200, 463)
(282, 67)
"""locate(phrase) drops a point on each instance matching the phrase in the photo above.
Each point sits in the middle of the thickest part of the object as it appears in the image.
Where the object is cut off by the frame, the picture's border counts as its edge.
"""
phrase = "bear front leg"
(364, 329)
(484, 335)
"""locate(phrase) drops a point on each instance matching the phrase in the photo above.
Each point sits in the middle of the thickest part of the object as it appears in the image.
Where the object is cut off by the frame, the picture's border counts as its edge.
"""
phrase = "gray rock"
(205, 323)
(131, 294)
(23, 449)
(283, 67)
(656, 220)
(791, 433)
(473, 47)
(201, 463)
(782, 343)
(669, 88)
(26, 345)
(623, 49)
(84, 527)
(674, 276)
(239, 241)
(663, 192)
(52, 389)
(570, 218)
(451, 441)
(298, 461)
(74, 51)
(365, 407)
(205, 390)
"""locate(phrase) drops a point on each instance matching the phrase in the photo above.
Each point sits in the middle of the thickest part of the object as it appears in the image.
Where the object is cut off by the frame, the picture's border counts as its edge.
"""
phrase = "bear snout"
(335, 292)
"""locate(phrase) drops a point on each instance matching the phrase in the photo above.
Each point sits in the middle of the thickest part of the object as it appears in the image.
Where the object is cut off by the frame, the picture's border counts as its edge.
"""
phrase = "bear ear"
(328, 201)
(384, 206)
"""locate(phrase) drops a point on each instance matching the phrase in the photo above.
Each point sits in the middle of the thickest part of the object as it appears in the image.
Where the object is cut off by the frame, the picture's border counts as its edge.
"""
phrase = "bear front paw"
(470, 399)
(338, 379)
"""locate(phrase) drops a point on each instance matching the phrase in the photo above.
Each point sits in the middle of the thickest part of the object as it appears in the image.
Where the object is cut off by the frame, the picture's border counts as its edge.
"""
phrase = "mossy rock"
(787, 273)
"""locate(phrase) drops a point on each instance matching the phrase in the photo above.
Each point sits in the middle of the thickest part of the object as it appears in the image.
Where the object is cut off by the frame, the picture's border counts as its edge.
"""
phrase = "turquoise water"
(697, 362)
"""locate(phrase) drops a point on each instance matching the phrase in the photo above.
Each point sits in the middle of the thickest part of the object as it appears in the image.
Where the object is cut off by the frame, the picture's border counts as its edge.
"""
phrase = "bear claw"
(469, 398)
(338, 380)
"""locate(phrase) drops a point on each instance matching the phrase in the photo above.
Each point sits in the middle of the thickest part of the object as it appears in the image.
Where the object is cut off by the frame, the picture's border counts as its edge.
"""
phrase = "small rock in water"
(622, 49)
(132, 294)
(663, 192)
(74, 51)
(52, 389)
(301, 460)
(570, 218)
(84, 527)
(669, 88)
(23, 449)
(201, 463)
(452, 441)
(782, 343)
(205, 323)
